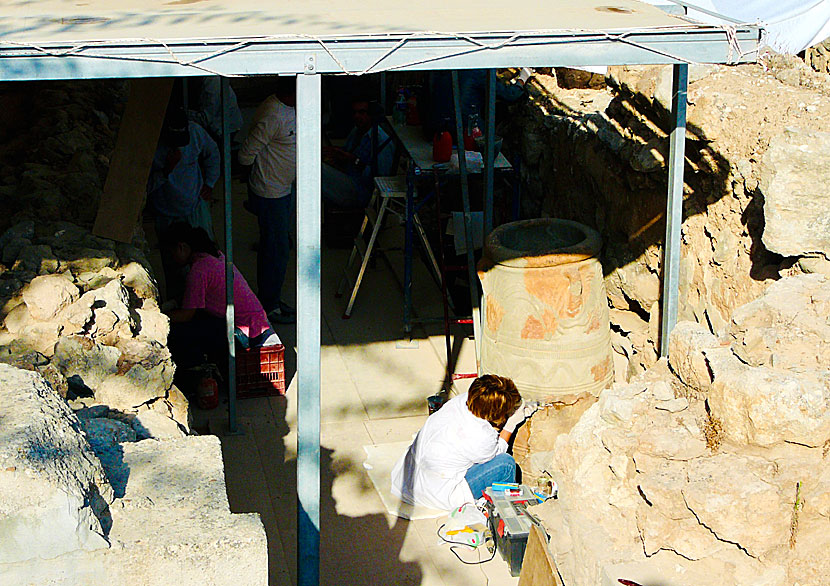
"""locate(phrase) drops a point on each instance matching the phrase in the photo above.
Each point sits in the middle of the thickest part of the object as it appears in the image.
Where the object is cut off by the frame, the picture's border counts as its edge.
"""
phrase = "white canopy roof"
(101, 38)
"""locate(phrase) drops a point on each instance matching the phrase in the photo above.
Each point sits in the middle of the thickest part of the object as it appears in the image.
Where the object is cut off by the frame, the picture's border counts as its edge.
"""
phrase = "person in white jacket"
(462, 448)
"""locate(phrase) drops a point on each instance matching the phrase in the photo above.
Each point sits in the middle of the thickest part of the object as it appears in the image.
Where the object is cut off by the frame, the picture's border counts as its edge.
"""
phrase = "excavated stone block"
(793, 180)
(173, 526)
(728, 495)
(787, 327)
(51, 484)
(764, 406)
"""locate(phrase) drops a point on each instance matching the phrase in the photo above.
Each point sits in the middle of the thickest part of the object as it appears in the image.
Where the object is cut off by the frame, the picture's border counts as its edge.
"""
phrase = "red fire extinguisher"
(207, 389)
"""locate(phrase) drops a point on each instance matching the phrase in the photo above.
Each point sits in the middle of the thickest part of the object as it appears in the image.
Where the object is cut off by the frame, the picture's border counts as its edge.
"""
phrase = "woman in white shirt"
(462, 448)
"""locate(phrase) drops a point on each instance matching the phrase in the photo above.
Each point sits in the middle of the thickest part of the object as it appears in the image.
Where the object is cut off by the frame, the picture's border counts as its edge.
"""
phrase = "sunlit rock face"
(713, 463)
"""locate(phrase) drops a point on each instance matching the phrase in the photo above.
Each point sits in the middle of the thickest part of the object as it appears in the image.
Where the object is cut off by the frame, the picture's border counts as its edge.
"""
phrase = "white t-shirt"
(271, 146)
(431, 472)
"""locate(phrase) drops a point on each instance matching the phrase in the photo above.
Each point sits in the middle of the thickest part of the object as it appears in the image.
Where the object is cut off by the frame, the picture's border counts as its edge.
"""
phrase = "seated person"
(197, 327)
(347, 179)
(462, 448)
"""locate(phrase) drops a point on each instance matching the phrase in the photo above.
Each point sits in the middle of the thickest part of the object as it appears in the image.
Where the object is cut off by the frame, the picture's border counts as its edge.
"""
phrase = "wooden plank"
(126, 186)
(538, 567)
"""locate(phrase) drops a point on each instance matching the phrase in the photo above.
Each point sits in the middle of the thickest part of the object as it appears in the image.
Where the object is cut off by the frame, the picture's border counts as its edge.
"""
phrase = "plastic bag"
(466, 525)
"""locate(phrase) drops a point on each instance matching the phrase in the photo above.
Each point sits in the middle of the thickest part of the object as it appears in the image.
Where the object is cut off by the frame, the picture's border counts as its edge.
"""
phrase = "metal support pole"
(309, 144)
(490, 156)
(468, 219)
(229, 308)
(407, 258)
(674, 208)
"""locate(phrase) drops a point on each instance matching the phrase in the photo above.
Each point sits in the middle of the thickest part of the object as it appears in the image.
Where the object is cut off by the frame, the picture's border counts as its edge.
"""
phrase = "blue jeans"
(502, 468)
(274, 217)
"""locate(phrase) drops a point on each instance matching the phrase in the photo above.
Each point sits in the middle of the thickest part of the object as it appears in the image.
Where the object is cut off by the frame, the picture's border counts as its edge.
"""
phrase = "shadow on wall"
(604, 163)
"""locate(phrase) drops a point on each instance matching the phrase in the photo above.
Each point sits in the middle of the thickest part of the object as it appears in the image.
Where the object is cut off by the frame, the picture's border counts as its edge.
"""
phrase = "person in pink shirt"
(197, 326)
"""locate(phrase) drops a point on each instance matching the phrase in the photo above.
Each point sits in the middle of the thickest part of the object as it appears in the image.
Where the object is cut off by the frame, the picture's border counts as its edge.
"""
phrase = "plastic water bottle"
(401, 106)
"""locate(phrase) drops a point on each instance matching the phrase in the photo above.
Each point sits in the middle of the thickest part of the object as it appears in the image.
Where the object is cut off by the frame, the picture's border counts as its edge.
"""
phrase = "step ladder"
(391, 192)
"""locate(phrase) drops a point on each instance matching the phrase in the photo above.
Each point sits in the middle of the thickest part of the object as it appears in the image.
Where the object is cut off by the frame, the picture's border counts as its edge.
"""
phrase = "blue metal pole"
(468, 218)
(309, 145)
(674, 208)
(489, 160)
(229, 308)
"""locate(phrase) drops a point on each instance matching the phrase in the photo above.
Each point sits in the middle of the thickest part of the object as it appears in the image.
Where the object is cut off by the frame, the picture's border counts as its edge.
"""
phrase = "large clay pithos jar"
(545, 313)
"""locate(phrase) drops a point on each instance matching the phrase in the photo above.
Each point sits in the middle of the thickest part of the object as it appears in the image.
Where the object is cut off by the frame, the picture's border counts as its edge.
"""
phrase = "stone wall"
(712, 464)
(100, 479)
(599, 156)
(718, 471)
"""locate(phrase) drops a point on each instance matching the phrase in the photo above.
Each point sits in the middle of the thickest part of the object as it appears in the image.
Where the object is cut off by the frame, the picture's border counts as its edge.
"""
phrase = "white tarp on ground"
(790, 25)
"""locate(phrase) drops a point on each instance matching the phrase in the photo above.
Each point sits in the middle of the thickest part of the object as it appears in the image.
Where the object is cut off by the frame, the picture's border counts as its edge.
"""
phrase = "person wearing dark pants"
(270, 152)
(274, 217)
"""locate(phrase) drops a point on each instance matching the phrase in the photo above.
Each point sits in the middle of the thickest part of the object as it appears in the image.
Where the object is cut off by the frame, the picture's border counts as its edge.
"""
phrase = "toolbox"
(510, 522)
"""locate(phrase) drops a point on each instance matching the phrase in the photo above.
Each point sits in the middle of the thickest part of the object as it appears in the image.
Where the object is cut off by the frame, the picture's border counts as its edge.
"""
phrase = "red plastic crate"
(260, 372)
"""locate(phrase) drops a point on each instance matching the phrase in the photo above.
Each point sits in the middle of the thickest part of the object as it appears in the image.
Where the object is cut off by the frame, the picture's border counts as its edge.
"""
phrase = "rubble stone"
(51, 485)
(46, 295)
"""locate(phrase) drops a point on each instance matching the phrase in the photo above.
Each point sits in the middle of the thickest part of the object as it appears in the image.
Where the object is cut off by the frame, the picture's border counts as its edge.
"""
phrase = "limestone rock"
(24, 230)
(12, 249)
(634, 281)
(176, 407)
(151, 323)
(145, 373)
(46, 295)
(18, 319)
(83, 357)
(787, 327)
(51, 485)
(77, 317)
(815, 264)
(38, 258)
(686, 345)
(41, 336)
(736, 504)
(96, 279)
(793, 180)
(763, 406)
(82, 260)
(138, 278)
(153, 424)
(112, 319)
(674, 437)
